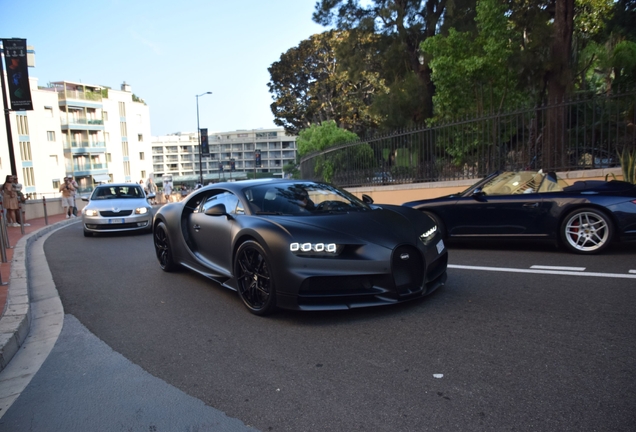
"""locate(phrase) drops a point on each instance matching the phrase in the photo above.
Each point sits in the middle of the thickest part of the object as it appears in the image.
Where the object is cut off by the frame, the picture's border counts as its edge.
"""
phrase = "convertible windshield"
(112, 192)
(301, 198)
(521, 182)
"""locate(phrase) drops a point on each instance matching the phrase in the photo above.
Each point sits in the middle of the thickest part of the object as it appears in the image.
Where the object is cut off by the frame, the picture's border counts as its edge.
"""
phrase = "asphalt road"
(526, 350)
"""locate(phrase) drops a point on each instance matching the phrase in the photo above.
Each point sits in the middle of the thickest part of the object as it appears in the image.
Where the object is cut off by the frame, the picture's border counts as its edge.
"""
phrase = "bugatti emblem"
(404, 256)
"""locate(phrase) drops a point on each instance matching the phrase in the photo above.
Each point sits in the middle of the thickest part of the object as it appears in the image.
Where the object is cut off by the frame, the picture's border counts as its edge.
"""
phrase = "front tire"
(88, 234)
(254, 278)
(163, 249)
(587, 231)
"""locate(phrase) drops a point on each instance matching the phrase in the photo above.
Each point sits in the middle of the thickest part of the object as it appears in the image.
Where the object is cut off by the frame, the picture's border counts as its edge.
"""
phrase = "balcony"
(84, 147)
(79, 95)
(82, 123)
(83, 170)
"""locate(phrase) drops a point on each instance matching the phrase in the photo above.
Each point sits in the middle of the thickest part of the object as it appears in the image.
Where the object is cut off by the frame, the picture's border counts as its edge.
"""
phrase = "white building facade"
(92, 132)
(233, 155)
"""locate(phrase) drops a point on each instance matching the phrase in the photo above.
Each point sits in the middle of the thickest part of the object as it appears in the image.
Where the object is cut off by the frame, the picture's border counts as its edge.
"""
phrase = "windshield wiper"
(269, 213)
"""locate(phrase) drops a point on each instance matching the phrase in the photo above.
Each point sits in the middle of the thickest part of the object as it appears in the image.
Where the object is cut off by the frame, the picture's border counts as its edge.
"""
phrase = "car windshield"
(302, 199)
(521, 182)
(112, 192)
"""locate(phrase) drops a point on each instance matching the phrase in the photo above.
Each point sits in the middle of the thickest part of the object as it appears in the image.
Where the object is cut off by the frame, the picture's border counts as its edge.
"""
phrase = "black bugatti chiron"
(586, 216)
(301, 245)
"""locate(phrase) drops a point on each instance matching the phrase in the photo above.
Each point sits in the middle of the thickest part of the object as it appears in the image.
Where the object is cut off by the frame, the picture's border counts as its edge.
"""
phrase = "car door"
(500, 215)
(211, 235)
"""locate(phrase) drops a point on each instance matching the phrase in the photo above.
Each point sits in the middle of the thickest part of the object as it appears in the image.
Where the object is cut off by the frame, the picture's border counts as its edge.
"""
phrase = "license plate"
(116, 221)
(440, 246)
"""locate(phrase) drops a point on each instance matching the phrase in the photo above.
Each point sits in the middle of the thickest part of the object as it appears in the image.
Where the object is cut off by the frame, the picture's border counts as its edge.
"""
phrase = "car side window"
(230, 201)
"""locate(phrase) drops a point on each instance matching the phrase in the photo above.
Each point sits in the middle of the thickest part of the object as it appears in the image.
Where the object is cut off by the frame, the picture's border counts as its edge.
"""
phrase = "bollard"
(3, 235)
(3, 227)
(46, 216)
(21, 214)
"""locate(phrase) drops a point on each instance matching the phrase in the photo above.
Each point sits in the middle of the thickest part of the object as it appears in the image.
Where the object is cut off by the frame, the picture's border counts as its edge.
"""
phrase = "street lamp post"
(199, 138)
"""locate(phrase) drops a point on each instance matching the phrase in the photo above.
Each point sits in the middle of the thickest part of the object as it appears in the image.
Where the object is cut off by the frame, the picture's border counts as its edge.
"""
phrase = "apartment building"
(92, 132)
(233, 155)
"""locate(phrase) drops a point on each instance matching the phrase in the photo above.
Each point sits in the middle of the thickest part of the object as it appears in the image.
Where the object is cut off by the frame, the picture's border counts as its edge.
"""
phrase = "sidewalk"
(14, 296)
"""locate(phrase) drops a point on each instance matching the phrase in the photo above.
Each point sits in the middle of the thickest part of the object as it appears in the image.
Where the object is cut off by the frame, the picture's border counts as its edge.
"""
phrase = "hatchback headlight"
(141, 210)
(91, 212)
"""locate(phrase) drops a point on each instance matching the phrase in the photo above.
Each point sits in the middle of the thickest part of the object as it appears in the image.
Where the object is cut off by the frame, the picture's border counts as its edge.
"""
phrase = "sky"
(168, 51)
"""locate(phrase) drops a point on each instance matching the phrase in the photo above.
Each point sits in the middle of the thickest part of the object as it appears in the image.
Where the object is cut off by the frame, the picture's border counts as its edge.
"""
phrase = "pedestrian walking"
(167, 190)
(10, 201)
(67, 197)
(152, 189)
(74, 193)
(17, 187)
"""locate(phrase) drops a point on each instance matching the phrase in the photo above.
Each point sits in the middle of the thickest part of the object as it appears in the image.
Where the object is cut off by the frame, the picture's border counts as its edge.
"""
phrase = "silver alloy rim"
(586, 231)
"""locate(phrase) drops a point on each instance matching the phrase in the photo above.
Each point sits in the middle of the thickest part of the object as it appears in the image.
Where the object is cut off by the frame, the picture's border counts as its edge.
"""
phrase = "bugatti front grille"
(109, 213)
(408, 270)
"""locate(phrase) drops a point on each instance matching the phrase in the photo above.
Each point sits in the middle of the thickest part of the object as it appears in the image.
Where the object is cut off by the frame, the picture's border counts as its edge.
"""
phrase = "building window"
(127, 168)
(48, 111)
(122, 109)
(143, 174)
(123, 129)
(23, 124)
(142, 156)
(105, 115)
(140, 137)
(124, 148)
(50, 136)
(25, 150)
(107, 136)
(53, 160)
(109, 158)
(27, 176)
(56, 184)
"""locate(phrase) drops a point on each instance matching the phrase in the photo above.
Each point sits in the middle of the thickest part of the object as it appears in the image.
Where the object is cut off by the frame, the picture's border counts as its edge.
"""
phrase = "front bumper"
(117, 224)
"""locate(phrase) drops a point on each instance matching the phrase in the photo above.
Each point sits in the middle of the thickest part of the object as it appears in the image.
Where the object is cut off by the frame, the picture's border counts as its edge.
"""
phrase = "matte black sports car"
(301, 245)
(585, 217)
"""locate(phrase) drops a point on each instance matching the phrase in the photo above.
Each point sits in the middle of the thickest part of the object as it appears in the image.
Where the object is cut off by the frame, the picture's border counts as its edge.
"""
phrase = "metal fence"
(587, 132)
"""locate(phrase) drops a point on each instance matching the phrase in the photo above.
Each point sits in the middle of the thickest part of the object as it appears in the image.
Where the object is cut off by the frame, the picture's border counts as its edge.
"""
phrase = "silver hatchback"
(117, 207)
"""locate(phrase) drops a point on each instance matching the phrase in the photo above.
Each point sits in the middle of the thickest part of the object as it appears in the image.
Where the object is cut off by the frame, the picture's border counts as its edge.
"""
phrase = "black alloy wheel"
(587, 231)
(254, 278)
(162, 248)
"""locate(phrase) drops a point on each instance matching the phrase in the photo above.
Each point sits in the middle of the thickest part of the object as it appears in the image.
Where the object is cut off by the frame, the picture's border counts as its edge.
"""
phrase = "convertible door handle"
(196, 227)
(531, 205)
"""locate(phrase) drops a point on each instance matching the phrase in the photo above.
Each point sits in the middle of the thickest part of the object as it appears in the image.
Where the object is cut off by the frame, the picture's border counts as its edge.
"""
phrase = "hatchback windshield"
(111, 192)
(298, 198)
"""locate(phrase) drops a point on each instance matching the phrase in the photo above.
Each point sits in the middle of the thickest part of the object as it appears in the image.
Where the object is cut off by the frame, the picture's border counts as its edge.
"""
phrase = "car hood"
(115, 203)
(383, 227)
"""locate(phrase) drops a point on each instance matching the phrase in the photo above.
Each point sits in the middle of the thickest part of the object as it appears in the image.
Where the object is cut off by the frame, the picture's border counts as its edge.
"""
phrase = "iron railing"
(587, 132)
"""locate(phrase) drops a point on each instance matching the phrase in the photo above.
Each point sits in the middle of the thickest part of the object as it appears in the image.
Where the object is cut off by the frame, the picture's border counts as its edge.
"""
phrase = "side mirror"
(216, 210)
(367, 199)
(478, 192)
(85, 198)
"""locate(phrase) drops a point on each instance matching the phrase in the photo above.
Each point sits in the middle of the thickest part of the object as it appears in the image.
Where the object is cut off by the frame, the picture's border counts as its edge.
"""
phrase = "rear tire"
(587, 231)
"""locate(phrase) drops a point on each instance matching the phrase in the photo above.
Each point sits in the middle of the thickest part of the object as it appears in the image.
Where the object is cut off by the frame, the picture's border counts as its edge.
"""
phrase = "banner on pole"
(205, 145)
(15, 59)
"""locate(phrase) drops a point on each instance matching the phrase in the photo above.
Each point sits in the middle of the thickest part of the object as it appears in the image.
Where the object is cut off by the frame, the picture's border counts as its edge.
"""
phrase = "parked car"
(116, 207)
(301, 245)
(586, 217)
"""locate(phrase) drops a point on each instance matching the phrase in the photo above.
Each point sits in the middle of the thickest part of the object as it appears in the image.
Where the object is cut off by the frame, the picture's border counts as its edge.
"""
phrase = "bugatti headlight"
(315, 249)
(428, 235)
(141, 210)
(91, 212)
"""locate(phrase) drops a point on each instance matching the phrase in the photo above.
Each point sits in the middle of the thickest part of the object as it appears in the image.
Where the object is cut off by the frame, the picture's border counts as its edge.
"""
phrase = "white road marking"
(541, 267)
(537, 271)
(633, 271)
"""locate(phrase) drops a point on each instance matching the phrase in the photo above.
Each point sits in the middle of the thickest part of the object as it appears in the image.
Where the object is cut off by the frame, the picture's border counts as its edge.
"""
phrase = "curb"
(16, 320)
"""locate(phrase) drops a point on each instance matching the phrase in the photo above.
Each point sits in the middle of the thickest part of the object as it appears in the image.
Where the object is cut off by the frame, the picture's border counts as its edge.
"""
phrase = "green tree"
(399, 26)
(309, 87)
(319, 138)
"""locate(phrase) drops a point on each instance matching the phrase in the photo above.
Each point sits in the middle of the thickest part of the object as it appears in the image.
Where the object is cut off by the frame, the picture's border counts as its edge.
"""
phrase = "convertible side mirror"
(367, 199)
(478, 194)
